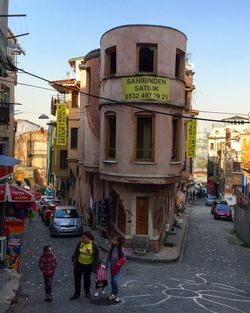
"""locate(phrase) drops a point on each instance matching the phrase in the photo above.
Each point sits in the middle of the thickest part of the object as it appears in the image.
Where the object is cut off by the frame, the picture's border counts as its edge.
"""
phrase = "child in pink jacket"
(100, 279)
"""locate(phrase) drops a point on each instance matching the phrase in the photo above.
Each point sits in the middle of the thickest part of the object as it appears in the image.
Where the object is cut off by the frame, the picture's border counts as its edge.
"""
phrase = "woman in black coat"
(85, 260)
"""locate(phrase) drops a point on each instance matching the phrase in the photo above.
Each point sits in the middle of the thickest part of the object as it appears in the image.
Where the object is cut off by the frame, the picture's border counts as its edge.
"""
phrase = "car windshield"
(223, 202)
(223, 207)
(66, 213)
(50, 201)
(211, 197)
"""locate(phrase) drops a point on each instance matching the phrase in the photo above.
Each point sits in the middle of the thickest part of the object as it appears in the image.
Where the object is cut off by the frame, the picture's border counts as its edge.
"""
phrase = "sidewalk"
(9, 288)
(167, 254)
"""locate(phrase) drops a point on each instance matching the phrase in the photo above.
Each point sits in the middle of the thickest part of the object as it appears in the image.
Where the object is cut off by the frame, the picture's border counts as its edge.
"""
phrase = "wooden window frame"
(108, 117)
(64, 163)
(108, 69)
(175, 137)
(146, 115)
(179, 64)
(74, 99)
(89, 83)
(154, 47)
(75, 145)
(138, 199)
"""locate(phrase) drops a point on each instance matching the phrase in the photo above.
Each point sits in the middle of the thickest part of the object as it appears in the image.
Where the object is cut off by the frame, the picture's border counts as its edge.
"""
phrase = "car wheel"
(215, 217)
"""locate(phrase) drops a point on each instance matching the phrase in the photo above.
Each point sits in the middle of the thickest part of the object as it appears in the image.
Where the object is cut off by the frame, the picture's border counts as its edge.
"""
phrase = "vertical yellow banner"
(191, 138)
(61, 126)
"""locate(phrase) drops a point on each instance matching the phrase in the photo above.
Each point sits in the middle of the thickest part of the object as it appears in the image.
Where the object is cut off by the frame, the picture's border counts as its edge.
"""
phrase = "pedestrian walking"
(100, 279)
(31, 213)
(116, 258)
(47, 264)
(85, 260)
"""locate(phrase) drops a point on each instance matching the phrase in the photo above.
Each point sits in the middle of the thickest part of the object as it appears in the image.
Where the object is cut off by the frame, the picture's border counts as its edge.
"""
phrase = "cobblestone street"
(213, 275)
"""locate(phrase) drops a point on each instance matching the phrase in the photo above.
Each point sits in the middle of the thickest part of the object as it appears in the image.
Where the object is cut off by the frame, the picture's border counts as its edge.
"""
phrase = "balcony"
(4, 113)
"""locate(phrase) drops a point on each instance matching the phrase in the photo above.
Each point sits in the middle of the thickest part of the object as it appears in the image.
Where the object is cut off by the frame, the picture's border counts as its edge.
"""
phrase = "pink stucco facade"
(139, 193)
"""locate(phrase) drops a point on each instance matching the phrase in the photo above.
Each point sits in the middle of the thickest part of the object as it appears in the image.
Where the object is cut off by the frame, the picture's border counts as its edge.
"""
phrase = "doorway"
(142, 206)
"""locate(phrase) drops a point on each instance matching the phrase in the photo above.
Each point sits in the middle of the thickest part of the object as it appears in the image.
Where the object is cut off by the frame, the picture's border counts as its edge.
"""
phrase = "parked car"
(49, 211)
(223, 211)
(214, 204)
(44, 206)
(210, 199)
(66, 220)
(42, 201)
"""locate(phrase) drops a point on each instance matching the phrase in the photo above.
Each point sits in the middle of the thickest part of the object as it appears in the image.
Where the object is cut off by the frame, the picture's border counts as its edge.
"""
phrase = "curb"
(160, 260)
(183, 244)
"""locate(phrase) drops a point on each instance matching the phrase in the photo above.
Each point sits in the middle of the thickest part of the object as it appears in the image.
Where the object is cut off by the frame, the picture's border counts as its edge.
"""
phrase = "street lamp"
(43, 117)
(40, 117)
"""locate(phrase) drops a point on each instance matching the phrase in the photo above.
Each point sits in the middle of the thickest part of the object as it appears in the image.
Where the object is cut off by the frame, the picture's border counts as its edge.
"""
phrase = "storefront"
(16, 204)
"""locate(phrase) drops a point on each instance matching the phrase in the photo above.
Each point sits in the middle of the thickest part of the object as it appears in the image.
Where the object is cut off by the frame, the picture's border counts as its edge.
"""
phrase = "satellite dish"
(69, 75)
(189, 66)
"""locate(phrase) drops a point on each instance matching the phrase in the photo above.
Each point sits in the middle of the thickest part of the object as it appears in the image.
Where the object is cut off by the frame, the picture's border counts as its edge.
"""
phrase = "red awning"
(36, 194)
(12, 193)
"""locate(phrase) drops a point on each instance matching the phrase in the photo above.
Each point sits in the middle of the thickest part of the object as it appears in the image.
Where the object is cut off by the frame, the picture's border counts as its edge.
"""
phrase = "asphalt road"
(214, 275)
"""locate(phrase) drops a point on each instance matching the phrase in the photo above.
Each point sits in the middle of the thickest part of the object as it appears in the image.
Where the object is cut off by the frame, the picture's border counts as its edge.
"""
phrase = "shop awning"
(180, 198)
(8, 161)
(12, 193)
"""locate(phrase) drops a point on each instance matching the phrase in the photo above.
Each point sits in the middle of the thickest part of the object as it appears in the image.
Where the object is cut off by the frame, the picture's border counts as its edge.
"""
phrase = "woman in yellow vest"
(85, 260)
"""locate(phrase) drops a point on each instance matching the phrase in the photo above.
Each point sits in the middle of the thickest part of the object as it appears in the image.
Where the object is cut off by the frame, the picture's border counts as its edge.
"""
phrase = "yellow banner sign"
(137, 88)
(61, 126)
(191, 138)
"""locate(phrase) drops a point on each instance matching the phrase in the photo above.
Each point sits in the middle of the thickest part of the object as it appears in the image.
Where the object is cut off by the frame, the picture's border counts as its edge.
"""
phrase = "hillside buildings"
(227, 149)
(31, 149)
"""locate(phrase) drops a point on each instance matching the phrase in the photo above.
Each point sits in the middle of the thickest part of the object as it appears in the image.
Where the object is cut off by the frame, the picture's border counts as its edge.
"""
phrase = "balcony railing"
(4, 113)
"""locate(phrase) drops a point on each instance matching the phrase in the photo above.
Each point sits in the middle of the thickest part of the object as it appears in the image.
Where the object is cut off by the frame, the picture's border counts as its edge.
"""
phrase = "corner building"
(141, 152)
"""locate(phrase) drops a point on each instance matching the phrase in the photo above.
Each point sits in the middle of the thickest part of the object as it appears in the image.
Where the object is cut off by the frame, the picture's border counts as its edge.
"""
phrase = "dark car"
(214, 204)
(44, 207)
(210, 199)
(50, 211)
(222, 211)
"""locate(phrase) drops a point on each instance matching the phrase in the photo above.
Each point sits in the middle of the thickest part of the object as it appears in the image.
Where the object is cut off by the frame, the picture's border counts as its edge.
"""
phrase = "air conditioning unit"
(3, 242)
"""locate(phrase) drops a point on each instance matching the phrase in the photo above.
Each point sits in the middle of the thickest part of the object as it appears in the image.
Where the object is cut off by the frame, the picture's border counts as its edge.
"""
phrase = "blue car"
(210, 199)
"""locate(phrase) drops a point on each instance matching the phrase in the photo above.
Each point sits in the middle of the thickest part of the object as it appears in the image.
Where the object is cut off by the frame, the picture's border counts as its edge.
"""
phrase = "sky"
(217, 32)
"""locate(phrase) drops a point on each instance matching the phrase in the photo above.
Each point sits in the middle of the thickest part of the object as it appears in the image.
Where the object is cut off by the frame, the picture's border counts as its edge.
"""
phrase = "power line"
(127, 104)
(23, 84)
(39, 87)
(200, 111)
(226, 113)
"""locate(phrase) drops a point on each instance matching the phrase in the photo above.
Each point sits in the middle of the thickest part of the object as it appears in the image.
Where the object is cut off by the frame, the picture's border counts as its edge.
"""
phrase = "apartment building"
(132, 140)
